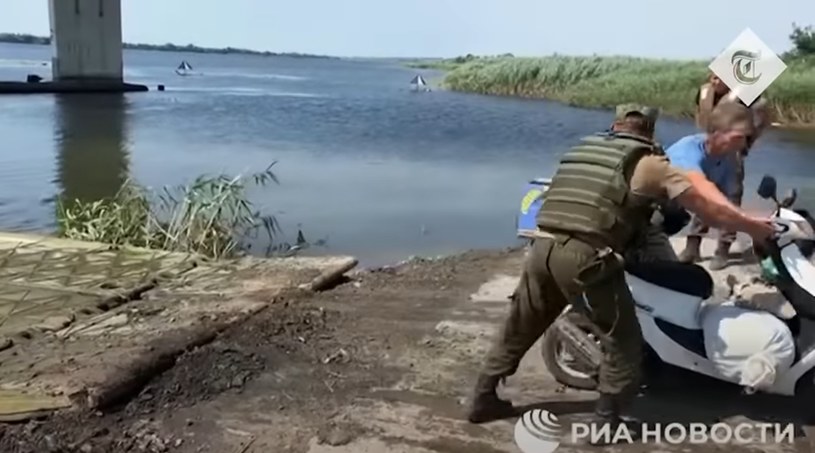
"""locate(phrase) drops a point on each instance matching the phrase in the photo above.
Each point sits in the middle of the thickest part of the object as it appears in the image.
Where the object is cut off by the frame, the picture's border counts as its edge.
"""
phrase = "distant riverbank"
(602, 82)
(15, 38)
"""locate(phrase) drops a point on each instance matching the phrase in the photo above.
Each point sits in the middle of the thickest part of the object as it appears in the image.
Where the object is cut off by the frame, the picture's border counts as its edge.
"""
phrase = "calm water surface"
(378, 171)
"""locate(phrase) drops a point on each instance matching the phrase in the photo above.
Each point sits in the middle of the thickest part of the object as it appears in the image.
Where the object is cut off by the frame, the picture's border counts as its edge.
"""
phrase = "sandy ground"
(382, 363)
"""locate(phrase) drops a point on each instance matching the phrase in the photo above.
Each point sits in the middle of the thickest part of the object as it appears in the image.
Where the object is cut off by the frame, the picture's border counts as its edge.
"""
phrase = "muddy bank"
(383, 363)
(84, 325)
(140, 425)
(289, 376)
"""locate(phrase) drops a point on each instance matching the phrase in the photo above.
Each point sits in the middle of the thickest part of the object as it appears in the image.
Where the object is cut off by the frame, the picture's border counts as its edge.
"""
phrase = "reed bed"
(211, 216)
(603, 82)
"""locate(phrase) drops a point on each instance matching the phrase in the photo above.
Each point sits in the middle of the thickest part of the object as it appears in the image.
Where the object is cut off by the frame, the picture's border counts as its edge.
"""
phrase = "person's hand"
(761, 229)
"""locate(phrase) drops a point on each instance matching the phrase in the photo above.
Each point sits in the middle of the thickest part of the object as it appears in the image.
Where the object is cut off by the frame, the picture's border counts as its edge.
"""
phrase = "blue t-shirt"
(689, 154)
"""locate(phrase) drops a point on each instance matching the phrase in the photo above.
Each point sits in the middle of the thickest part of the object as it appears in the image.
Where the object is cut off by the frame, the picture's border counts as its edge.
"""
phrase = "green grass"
(603, 82)
(211, 216)
(441, 65)
(449, 64)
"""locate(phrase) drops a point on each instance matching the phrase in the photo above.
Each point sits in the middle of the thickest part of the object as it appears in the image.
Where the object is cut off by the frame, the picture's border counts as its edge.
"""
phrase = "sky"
(447, 28)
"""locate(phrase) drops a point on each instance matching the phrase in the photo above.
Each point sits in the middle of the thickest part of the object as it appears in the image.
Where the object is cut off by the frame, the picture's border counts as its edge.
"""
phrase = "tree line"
(21, 38)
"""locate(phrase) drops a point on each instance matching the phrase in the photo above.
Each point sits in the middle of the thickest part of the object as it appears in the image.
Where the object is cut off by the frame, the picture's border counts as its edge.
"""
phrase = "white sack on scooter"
(746, 346)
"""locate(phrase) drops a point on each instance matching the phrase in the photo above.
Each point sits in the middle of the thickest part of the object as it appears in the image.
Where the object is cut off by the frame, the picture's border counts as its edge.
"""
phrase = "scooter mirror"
(789, 198)
(767, 188)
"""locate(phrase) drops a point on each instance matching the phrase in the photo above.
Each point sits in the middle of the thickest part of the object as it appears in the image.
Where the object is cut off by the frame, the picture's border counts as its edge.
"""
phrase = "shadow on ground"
(679, 397)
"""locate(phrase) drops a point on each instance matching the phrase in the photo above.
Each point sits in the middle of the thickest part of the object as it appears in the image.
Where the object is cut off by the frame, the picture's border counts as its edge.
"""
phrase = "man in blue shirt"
(713, 156)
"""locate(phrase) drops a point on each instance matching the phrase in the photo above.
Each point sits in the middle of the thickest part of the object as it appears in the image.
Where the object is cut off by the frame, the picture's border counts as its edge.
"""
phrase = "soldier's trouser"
(561, 271)
(698, 228)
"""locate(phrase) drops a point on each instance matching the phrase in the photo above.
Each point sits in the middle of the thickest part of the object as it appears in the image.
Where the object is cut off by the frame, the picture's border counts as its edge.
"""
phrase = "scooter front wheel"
(571, 351)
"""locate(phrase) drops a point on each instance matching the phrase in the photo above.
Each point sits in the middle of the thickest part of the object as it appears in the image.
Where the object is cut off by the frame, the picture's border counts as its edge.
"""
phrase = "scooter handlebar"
(780, 228)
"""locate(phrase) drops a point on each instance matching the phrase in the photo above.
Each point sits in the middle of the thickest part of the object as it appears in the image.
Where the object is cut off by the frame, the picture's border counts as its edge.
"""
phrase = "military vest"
(589, 196)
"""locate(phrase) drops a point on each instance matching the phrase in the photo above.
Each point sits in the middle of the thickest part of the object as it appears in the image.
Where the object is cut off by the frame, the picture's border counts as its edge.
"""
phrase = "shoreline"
(372, 365)
(604, 82)
(31, 40)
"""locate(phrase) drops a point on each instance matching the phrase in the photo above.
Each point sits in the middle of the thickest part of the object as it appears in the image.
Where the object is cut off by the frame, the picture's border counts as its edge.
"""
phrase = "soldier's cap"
(623, 110)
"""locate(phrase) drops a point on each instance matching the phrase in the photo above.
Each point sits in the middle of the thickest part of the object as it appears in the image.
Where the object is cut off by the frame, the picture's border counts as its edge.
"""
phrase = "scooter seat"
(685, 278)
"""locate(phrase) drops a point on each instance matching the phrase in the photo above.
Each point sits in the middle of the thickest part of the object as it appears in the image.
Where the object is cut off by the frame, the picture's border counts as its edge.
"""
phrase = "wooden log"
(330, 276)
(127, 381)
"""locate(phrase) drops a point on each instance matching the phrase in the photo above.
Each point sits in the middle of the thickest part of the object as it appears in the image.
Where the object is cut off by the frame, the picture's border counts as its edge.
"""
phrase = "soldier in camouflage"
(599, 206)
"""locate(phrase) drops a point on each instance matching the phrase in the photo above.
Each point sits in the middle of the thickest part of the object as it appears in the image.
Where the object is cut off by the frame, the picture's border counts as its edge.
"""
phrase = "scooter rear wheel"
(578, 370)
(567, 365)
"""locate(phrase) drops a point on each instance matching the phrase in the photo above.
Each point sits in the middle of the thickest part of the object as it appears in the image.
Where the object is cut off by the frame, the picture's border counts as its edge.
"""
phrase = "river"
(375, 170)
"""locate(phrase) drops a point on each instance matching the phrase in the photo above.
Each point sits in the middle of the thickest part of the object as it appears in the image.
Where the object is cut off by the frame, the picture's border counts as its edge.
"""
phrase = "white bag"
(746, 346)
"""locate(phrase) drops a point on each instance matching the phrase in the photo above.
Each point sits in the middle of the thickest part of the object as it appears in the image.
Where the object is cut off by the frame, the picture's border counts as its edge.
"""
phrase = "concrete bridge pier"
(86, 36)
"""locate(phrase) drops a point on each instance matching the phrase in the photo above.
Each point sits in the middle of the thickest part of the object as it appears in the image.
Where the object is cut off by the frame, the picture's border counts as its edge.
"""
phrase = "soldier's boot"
(720, 258)
(486, 405)
(691, 252)
(605, 423)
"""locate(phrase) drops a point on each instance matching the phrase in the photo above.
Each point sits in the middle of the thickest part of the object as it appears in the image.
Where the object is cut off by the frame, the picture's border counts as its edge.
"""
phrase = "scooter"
(670, 298)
